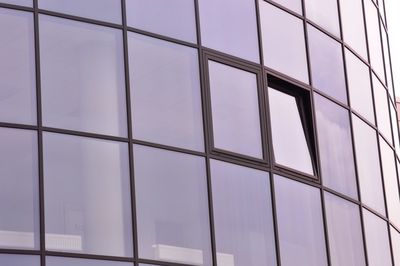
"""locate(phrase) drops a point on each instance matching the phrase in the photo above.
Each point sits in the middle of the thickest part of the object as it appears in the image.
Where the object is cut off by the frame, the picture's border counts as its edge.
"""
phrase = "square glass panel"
(369, 173)
(359, 84)
(82, 71)
(17, 67)
(243, 220)
(326, 60)
(172, 18)
(235, 110)
(288, 132)
(351, 12)
(106, 10)
(171, 206)
(324, 13)
(87, 195)
(165, 93)
(19, 260)
(382, 108)
(19, 191)
(344, 231)
(377, 240)
(300, 225)
(62, 261)
(230, 27)
(335, 147)
(278, 49)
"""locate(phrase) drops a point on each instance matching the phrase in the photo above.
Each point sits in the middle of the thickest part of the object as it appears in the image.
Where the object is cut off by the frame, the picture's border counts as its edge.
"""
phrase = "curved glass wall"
(197, 132)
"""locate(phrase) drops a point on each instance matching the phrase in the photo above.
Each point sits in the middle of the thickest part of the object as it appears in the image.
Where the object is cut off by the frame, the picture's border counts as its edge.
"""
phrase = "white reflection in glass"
(279, 51)
(165, 93)
(19, 192)
(173, 18)
(235, 113)
(288, 137)
(344, 230)
(243, 222)
(87, 196)
(335, 146)
(395, 246)
(172, 206)
(300, 226)
(82, 73)
(17, 67)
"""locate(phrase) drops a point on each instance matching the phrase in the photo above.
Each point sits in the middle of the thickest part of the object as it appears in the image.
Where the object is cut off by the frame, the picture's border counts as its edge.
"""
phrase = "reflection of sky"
(392, 8)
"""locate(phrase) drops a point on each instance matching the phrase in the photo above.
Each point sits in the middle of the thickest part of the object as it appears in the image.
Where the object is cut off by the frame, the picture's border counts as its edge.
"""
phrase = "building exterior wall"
(197, 132)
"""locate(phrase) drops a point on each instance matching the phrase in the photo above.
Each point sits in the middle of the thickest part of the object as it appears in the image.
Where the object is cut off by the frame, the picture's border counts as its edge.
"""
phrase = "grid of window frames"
(204, 132)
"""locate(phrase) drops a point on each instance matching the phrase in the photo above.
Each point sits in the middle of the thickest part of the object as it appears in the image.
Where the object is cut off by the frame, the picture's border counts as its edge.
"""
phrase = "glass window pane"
(369, 174)
(324, 13)
(374, 38)
(243, 222)
(78, 173)
(173, 18)
(17, 67)
(19, 192)
(326, 64)
(279, 51)
(19, 260)
(335, 147)
(395, 246)
(344, 230)
(294, 5)
(235, 113)
(60, 261)
(300, 226)
(171, 206)
(230, 27)
(17, 2)
(377, 240)
(390, 181)
(394, 126)
(82, 72)
(166, 97)
(352, 16)
(382, 109)
(290, 150)
(359, 85)
(387, 61)
(107, 10)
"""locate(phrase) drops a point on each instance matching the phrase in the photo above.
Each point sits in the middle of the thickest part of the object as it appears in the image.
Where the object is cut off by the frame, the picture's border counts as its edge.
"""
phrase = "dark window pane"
(17, 67)
(173, 18)
(359, 84)
(82, 72)
(377, 240)
(108, 10)
(324, 13)
(19, 260)
(326, 61)
(300, 226)
(166, 98)
(242, 215)
(230, 27)
(19, 192)
(60, 261)
(290, 149)
(344, 230)
(279, 51)
(87, 196)
(335, 147)
(172, 208)
(235, 113)
(369, 174)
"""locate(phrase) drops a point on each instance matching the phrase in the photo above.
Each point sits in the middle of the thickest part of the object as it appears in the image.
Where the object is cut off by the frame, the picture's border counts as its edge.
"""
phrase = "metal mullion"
(19, 126)
(16, 7)
(207, 126)
(87, 256)
(130, 134)
(168, 148)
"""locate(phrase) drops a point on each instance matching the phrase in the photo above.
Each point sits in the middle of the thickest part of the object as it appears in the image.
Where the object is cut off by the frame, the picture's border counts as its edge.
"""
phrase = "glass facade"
(197, 132)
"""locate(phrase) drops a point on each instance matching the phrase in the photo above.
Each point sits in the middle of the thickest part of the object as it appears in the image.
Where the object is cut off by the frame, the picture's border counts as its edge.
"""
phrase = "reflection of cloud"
(392, 10)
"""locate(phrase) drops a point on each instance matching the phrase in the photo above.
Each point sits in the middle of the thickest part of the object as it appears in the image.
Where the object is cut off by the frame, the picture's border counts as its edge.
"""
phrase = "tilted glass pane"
(172, 206)
(235, 110)
(382, 109)
(294, 5)
(395, 246)
(165, 92)
(324, 13)
(288, 134)
(87, 195)
(243, 220)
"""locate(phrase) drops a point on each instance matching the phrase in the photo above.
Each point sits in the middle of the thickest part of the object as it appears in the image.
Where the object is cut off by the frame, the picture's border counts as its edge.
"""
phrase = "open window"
(291, 128)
